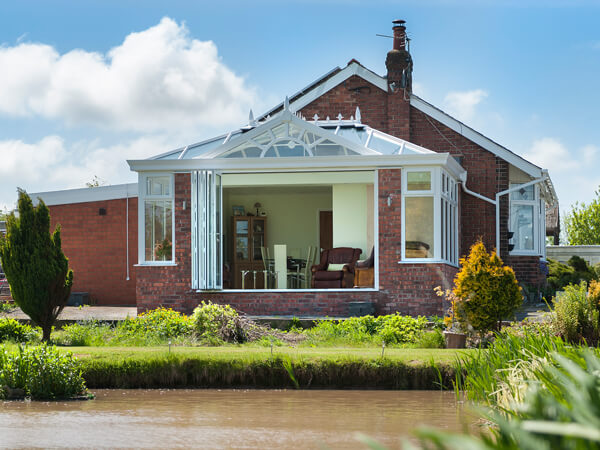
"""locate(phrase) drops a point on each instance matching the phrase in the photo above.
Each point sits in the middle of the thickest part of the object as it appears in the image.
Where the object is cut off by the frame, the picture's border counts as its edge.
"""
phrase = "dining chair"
(303, 276)
(269, 265)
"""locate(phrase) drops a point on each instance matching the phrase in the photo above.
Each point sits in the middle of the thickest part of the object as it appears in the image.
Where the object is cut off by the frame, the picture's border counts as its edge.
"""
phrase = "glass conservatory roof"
(288, 135)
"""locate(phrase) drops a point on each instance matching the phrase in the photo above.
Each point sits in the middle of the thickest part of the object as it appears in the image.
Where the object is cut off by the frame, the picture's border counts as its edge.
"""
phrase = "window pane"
(158, 186)
(418, 181)
(159, 230)
(527, 193)
(418, 227)
(521, 224)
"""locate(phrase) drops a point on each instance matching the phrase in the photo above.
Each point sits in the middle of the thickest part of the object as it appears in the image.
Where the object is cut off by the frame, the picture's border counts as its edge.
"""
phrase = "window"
(430, 216)
(527, 221)
(156, 203)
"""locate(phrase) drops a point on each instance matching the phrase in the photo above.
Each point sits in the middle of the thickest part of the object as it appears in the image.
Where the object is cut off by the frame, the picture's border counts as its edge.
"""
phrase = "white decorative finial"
(351, 118)
(327, 119)
(251, 120)
(340, 117)
(316, 117)
(357, 114)
(286, 103)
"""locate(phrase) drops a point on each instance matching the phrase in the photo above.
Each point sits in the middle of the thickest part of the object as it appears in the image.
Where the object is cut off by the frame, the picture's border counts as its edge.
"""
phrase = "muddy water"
(227, 419)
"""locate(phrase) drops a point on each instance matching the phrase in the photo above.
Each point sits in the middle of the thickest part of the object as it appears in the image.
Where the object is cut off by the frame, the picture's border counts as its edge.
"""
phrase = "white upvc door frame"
(207, 230)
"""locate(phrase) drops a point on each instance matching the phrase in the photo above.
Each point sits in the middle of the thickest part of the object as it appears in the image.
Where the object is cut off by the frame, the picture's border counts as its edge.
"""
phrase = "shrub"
(161, 323)
(40, 372)
(13, 330)
(431, 339)
(85, 333)
(574, 272)
(488, 290)
(575, 314)
(397, 329)
(210, 321)
(35, 266)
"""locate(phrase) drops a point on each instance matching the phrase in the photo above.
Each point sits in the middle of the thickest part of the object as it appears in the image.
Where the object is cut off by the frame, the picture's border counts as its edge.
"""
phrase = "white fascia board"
(477, 138)
(348, 71)
(84, 195)
(300, 163)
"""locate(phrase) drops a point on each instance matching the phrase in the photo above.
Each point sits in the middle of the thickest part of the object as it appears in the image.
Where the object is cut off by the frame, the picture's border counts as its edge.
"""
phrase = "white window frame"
(142, 197)
(438, 194)
(539, 223)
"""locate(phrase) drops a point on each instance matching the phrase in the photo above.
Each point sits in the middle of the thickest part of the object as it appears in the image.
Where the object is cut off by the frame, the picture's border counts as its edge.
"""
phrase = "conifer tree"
(488, 290)
(36, 268)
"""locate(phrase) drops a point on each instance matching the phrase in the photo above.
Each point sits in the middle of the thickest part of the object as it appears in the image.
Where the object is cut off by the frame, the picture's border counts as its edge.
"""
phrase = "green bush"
(160, 323)
(575, 314)
(574, 272)
(487, 290)
(40, 372)
(13, 330)
(211, 321)
(84, 334)
(431, 339)
(391, 329)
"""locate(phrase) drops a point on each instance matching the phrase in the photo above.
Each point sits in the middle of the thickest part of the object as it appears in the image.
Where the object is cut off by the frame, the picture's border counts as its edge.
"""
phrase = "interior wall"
(292, 214)
(350, 217)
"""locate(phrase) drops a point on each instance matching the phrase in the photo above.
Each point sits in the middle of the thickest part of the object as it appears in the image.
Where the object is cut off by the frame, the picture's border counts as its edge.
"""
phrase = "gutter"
(496, 201)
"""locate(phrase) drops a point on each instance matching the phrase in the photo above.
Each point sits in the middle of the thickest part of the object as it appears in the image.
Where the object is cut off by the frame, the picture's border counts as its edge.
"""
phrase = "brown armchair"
(322, 278)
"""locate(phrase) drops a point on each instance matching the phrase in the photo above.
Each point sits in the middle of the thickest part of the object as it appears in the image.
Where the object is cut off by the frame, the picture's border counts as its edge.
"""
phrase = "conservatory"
(271, 201)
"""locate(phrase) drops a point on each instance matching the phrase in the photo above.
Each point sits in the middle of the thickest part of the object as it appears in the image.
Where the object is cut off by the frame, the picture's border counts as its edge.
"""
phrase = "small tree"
(36, 268)
(488, 290)
(582, 223)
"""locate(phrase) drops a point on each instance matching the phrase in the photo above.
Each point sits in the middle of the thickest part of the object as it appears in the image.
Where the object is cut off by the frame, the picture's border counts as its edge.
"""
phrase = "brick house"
(353, 160)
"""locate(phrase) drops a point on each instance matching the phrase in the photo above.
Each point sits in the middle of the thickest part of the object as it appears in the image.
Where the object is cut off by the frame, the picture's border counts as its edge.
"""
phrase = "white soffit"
(297, 178)
(84, 195)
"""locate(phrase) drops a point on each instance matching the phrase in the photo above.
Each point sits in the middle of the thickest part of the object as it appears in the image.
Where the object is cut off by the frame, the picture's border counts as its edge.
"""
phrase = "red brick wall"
(487, 174)
(97, 250)
(407, 288)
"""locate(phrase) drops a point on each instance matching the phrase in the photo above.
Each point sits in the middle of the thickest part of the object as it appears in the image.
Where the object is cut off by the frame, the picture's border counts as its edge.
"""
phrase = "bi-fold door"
(207, 230)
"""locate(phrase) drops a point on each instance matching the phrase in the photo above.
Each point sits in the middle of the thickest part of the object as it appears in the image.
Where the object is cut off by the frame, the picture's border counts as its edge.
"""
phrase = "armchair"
(336, 268)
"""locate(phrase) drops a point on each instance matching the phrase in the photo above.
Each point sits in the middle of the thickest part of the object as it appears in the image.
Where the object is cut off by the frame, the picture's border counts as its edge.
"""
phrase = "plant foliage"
(15, 331)
(36, 268)
(582, 223)
(40, 372)
(488, 290)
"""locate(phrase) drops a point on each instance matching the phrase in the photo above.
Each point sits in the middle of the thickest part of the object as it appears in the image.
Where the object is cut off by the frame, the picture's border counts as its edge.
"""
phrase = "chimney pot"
(399, 61)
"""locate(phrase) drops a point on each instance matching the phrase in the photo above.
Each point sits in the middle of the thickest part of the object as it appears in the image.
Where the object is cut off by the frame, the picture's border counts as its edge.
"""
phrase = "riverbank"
(256, 367)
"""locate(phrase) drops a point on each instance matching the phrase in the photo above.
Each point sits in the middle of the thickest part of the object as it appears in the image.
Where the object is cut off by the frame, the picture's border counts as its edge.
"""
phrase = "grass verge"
(245, 366)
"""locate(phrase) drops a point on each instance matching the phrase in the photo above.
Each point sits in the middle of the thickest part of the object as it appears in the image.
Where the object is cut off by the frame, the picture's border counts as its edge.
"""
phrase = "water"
(227, 419)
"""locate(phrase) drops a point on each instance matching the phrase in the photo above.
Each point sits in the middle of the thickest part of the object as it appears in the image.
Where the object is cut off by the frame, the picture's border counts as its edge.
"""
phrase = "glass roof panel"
(196, 150)
(280, 131)
(264, 138)
(357, 135)
(382, 145)
(295, 131)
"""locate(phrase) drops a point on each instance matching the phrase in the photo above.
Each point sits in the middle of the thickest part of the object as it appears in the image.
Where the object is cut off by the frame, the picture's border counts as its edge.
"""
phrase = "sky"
(85, 85)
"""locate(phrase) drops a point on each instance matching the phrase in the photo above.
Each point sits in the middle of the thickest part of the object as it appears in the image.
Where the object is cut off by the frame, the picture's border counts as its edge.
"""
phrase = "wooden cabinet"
(249, 235)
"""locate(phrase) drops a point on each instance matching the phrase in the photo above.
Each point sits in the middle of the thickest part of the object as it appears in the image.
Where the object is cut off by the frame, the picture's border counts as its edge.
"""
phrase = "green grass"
(252, 366)
(250, 353)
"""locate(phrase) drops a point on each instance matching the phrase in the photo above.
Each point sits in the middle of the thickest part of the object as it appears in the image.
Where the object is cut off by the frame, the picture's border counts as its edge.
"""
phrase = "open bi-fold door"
(207, 230)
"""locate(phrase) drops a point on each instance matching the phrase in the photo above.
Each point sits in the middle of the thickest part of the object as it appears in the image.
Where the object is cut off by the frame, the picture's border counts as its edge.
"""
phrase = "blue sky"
(79, 93)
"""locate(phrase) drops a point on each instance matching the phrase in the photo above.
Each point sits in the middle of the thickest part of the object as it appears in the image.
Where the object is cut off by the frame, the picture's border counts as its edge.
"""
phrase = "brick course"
(96, 248)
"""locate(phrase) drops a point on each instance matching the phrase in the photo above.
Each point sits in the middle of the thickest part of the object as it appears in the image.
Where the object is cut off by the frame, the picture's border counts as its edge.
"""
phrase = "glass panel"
(288, 149)
(237, 154)
(418, 227)
(159, 230)
(521, 224)
(241, 227)
(263, 139)
(353, 134)
(383, 145)
(258, 241)
(241, 247)
(258, 226)
(295, 131)
(158, 186)
(418, 181)
(253, 152)
(526, 193)
(280, 131)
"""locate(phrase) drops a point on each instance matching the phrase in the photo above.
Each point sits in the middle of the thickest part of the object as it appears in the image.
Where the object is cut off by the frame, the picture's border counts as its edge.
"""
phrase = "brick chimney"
(399, 61)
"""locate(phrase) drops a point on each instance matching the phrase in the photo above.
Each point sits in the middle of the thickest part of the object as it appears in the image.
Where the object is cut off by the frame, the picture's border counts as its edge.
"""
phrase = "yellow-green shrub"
(488, 290)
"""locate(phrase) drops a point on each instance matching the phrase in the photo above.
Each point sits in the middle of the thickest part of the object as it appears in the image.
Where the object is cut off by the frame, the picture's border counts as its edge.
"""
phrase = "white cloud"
(157, 79)
(551, 154)
(50, 164)
(462, 104)
(589, 153)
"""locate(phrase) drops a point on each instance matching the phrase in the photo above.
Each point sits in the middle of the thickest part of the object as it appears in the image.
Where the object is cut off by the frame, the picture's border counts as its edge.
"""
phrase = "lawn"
(253, 353)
